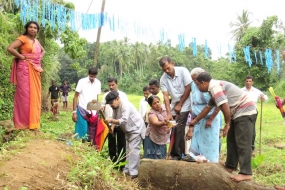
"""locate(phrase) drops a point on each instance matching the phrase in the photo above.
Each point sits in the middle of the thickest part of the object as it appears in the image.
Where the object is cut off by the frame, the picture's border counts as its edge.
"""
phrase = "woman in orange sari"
(25, 75)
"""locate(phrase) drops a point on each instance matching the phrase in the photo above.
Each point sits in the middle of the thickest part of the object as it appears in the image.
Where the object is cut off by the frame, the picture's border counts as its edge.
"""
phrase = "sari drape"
(205, 141)
(25, 75)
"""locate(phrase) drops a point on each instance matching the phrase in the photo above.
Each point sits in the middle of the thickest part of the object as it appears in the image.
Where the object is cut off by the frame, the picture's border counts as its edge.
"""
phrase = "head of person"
(154, 86)
(53, 83)
(92, 73)
(113, 99)
(248, 82)
(113, 84)
(31, 28)
(203, 80)
(167, 65)
(154, 102)
(195, 72)
(64, 82)
(146, 92)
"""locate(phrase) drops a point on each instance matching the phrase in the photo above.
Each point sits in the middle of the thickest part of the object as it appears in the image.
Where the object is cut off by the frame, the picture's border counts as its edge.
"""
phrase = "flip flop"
(188, 158)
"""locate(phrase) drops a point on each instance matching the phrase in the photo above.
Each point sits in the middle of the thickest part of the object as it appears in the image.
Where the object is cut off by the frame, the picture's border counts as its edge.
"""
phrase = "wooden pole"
(97, 44)
(261, 105)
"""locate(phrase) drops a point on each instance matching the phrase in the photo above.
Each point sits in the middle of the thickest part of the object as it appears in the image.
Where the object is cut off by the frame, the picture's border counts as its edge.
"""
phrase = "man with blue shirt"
(175, 82)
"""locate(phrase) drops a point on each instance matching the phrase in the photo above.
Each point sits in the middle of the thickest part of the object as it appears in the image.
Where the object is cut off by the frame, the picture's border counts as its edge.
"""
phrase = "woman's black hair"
(27, 26)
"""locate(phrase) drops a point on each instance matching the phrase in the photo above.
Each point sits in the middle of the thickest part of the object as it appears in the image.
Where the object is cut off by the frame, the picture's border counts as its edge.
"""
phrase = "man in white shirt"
(87, 89)
(128, 118)
(143, 109)
(256, 95)
(116, 140)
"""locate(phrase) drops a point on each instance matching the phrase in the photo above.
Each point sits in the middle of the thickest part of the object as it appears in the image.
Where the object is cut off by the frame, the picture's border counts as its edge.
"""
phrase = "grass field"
(268, 168)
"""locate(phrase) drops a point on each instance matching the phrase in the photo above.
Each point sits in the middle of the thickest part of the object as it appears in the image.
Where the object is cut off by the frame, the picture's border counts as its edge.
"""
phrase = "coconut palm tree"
(241, 25)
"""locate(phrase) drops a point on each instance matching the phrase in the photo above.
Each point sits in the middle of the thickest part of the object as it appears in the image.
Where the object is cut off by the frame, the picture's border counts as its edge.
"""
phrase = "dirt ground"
(42, 164)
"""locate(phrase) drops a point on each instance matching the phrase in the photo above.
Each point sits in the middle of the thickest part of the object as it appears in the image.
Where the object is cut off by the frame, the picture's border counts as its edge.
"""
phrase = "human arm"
(75, 98)
(167, 105)
(185, 95)
(42, 51)
(12, 49)
(227, 115)
(155, 122)
(212, 117)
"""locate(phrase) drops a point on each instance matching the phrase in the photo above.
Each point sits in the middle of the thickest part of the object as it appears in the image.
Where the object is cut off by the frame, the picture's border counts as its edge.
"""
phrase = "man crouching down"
(128, 118)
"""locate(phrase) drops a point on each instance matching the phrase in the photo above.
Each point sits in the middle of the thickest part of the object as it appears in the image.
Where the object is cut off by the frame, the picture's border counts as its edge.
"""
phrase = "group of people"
(54, 92)
(195, 101)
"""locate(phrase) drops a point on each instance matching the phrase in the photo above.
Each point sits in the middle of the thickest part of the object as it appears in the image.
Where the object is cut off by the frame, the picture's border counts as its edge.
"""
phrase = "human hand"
(111, 129)
(262, 97)
(192, 122)
(189, 134)
(108, 121)
(177, 109)
(169, 117)
(22, 57)
(208, 123)
(226, 129)
(74, 117)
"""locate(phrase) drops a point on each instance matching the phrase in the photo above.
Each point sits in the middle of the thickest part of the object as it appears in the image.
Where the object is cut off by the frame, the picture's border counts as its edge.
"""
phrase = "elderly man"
(130, 121)
(238, 109)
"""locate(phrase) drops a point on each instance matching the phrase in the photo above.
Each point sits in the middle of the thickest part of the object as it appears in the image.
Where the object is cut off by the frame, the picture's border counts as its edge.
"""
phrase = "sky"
(202, 19)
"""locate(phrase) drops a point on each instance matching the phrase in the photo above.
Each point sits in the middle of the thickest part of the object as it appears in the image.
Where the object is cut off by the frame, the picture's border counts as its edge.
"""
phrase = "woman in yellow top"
(25, 75)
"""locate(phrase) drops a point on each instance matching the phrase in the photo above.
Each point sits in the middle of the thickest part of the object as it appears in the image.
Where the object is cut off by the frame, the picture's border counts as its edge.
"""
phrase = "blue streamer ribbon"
(255, 57)
(261, 59)
(277, 58)
(206, 50)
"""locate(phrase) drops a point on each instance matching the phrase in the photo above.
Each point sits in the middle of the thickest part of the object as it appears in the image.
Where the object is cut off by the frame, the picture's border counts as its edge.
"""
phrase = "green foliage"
(257, 161)
(265, 36)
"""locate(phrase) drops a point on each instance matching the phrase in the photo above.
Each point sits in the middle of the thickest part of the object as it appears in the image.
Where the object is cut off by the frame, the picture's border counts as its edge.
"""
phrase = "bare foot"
(241, 177)
(228, 169)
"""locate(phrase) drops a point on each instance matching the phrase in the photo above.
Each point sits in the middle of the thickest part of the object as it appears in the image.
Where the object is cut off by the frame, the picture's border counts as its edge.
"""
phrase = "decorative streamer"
(17, 3)
(268, 58)
(206, 50)
(261, 59)
(194, 47)
(230, 53)
(246, 51)
(234, 54)
(277, 58)
(43, 13)
(255, 57)
(181, 42)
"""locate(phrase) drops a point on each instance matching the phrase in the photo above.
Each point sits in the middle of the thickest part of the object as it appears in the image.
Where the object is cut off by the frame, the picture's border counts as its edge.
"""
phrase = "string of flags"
(59, 17)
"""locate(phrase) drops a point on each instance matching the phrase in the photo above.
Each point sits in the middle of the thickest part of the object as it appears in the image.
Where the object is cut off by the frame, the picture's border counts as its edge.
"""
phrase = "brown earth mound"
(42, 164)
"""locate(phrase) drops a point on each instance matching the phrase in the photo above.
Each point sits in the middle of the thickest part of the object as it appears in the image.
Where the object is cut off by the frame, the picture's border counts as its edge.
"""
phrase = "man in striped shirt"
(238, 109)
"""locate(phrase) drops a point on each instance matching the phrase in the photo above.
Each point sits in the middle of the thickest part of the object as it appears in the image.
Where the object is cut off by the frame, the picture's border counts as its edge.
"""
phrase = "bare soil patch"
(42, 164)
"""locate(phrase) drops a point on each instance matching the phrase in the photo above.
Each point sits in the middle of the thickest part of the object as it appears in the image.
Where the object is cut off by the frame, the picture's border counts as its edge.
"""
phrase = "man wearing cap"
(116, 140)
(130, 121)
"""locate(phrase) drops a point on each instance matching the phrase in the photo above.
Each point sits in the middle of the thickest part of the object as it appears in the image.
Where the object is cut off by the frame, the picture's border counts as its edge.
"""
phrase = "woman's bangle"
(74, 111)
(227, 125)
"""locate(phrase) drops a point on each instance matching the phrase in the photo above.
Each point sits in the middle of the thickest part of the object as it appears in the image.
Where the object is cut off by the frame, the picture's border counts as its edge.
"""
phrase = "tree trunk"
(170, 174)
